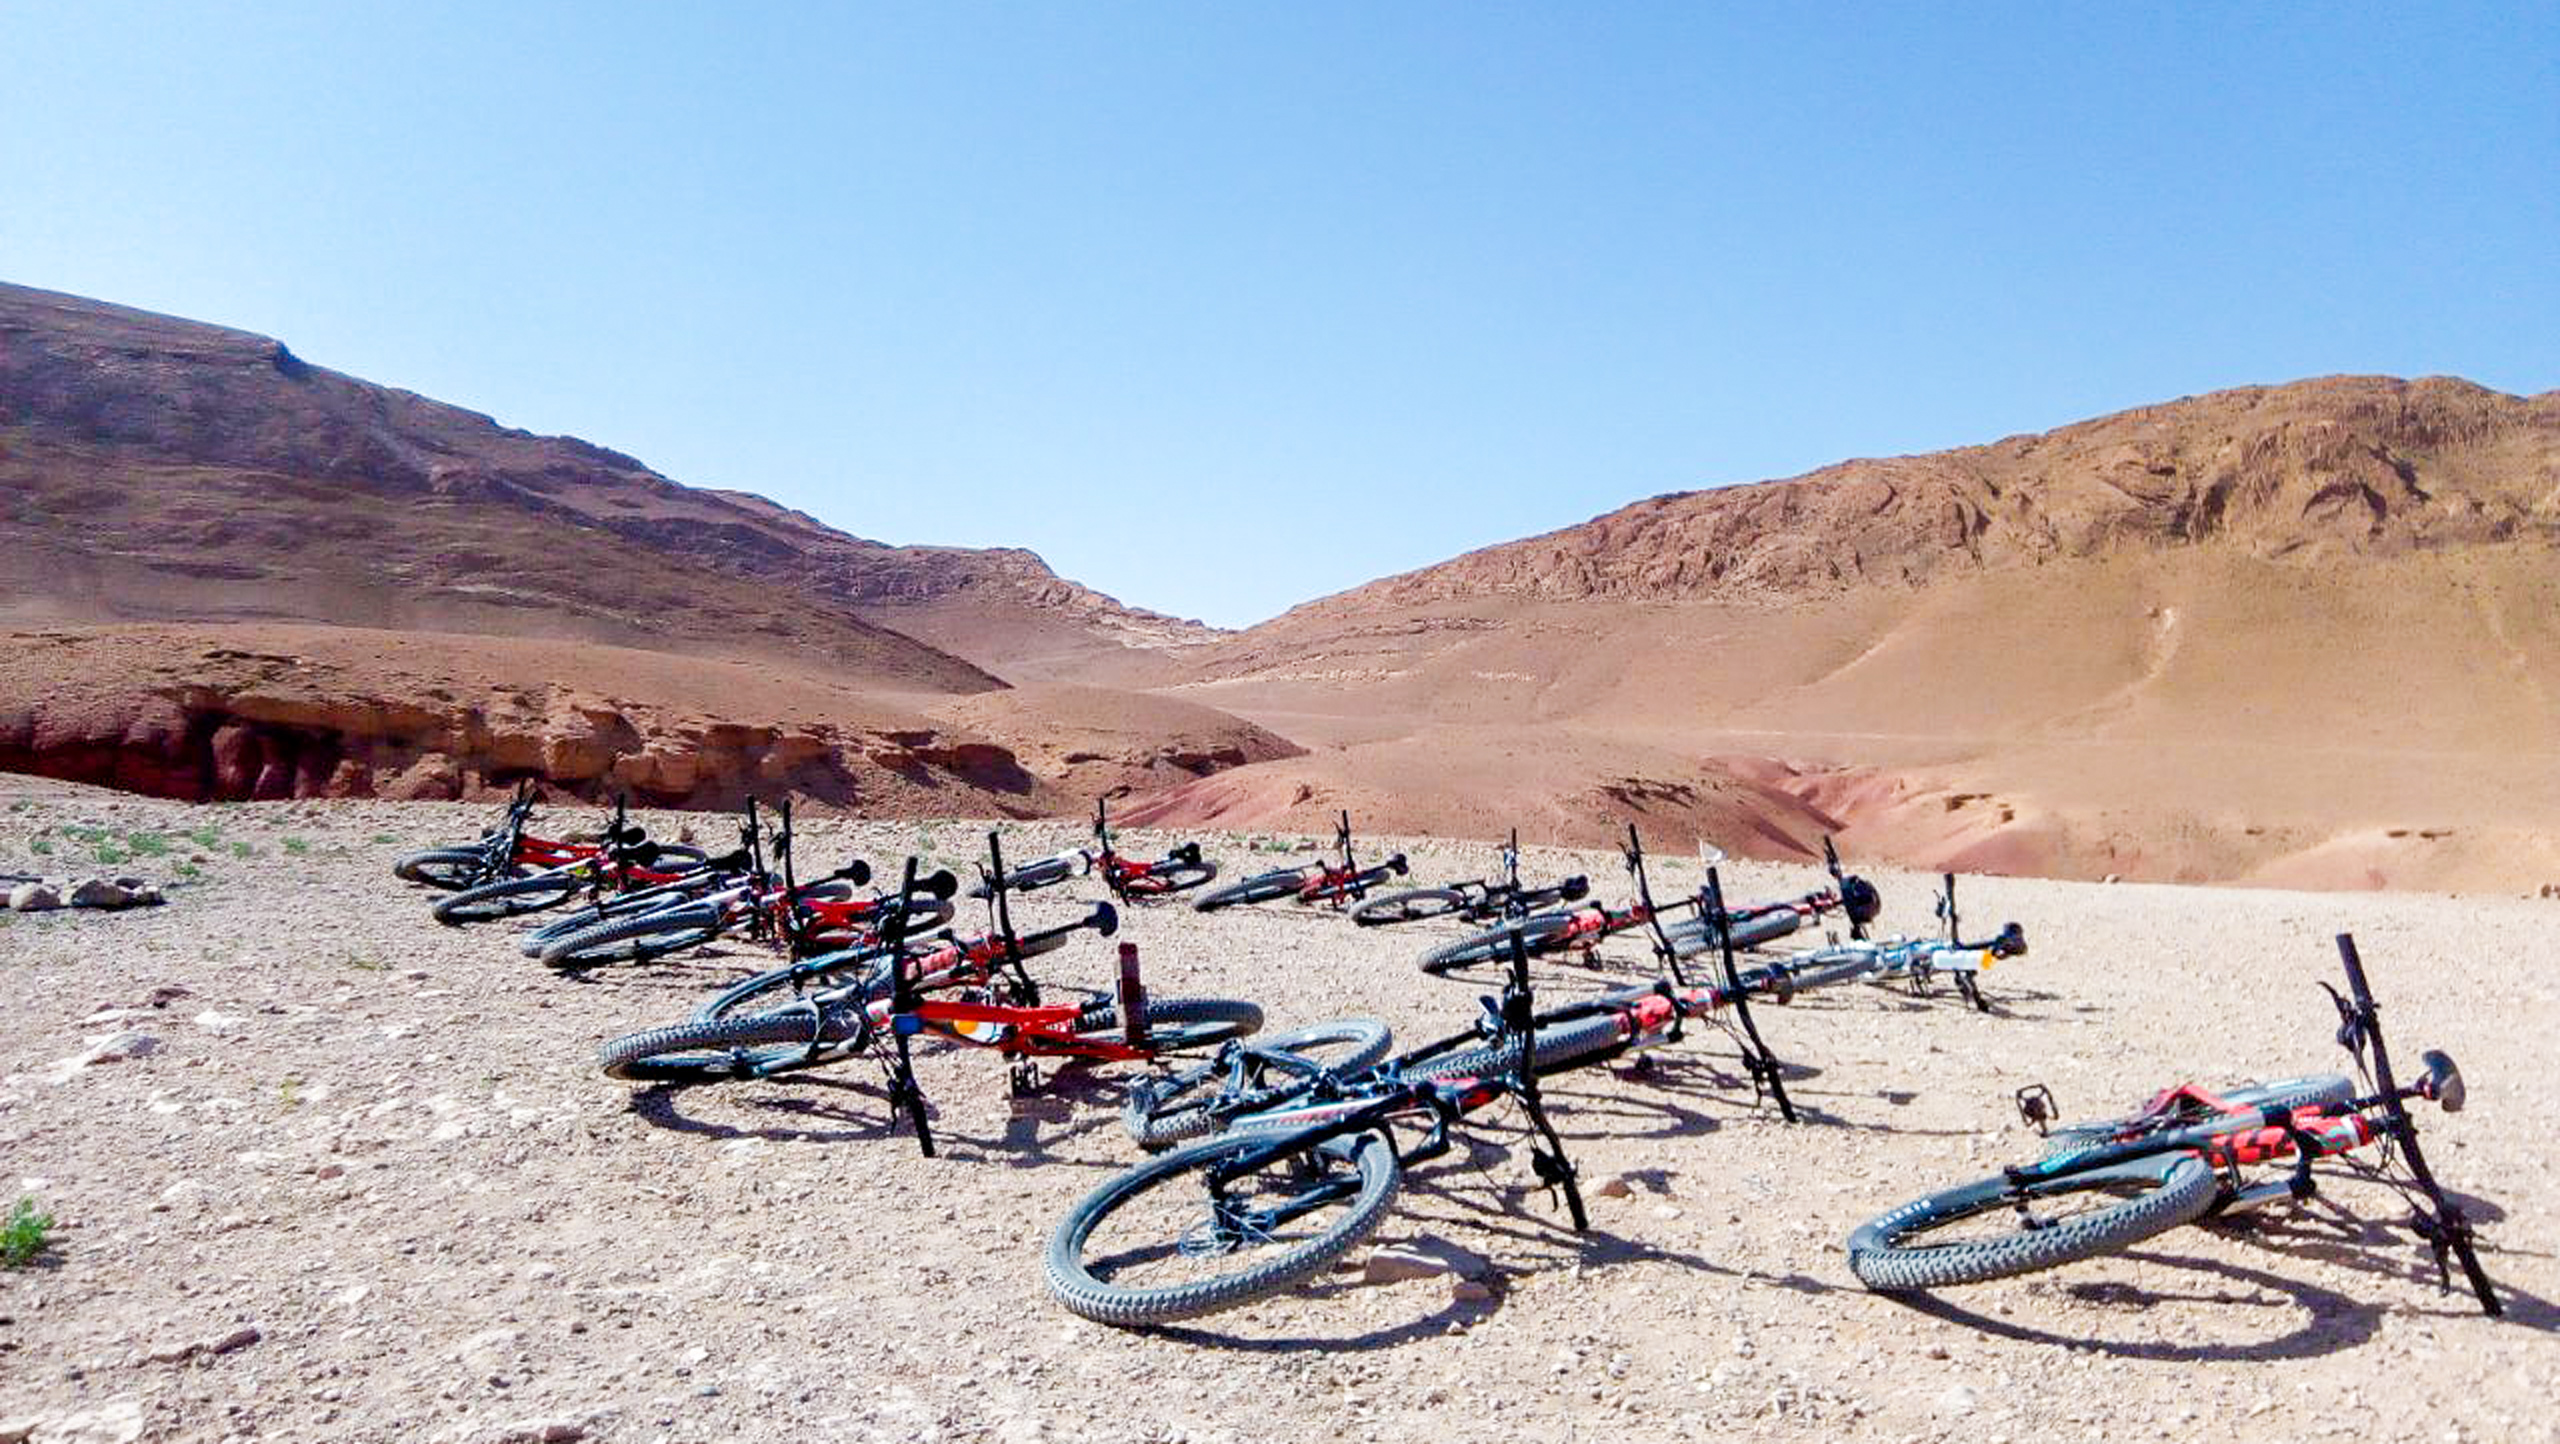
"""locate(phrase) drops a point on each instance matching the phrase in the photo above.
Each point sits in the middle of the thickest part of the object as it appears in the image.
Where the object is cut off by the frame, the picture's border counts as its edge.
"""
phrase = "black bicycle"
(1311, 1157)
(1476, 900)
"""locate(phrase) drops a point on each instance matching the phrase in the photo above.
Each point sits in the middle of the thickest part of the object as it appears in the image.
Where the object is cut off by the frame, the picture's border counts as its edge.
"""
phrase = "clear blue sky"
(1221, 307)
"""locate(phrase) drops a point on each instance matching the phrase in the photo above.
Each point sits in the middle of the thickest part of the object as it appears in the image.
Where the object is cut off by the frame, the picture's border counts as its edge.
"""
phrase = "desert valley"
(2301, 635)
(2184, 692)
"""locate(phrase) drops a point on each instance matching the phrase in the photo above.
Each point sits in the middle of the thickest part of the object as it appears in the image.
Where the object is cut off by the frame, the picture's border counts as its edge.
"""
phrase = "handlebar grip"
(941, 885)
(1105, 919)
(856, 872)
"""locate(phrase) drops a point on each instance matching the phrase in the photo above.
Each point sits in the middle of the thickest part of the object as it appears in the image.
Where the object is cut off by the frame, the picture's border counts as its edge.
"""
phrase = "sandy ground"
(383, 1147)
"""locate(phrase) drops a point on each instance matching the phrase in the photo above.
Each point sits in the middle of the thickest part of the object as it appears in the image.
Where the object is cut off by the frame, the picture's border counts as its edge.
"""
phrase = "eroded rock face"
(167, 713)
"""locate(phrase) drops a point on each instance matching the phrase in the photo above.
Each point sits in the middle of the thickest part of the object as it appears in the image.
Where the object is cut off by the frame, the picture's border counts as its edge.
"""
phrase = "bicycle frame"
(2235, 1135)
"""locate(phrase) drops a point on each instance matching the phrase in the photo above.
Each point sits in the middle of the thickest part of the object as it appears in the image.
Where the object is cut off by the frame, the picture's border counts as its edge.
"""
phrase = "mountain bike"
(1308, 1165)
(1583, 929)
(976, 995)
(507, 850)
(1243, 1082)
(1179, 870)
(2103, 1187)
(1476, 900)
(542, 874)
(1319, 881)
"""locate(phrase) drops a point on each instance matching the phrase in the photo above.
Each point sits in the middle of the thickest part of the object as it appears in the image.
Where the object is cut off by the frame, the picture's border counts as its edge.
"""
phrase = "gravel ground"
(368, 1184)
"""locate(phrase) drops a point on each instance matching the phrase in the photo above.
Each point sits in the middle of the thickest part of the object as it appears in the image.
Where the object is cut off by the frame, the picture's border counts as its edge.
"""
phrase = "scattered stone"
(1470, 1291)
(233, 1342)
(34, 897)
(108, 1048)
(118, 1421)
(98, 892)
(1395, 1263)
(1422, 1258)
(541, 1431)
(17, 1431)
(1958, 1399)
(213, 1022)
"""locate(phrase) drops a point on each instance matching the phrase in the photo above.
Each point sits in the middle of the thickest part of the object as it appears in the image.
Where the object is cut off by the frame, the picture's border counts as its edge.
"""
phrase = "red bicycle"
(1319, 881)
(507, 850)
(976, 993)
(1130, 880)
(1582, 929)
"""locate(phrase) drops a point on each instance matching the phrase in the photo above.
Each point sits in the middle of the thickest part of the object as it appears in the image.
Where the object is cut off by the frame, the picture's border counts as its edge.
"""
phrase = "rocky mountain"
(2305, 633)
(159, 469)
(2306, 473)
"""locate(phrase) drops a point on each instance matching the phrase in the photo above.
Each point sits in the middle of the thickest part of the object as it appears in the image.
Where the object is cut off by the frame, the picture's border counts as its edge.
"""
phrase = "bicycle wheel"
(1157, 1244)
(1557, 1045)
(1261, 887)
(1542, 934)
(2318, 1090)
(1161, 1112)
(636, 939)
(1693, 936)
(1173, 1025)
(1408, 907)
(701, 1050)
(508, 897)
(447, 869)
(863, 968)
(630, 904)
(1031, 877)
(1170, 878)
(1926, 1244)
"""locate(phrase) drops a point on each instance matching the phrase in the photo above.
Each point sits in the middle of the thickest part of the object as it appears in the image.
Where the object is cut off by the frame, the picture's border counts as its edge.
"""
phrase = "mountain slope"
(2204, 640)
(155, 468)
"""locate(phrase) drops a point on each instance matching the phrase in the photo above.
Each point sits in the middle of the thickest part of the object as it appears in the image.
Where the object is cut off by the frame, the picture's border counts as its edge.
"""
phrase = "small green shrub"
(384, 839)
(207, 838)
(296, 847)
(147, 844)
(242, 849)
(110, 854)
(27, 1233)
(41, 846)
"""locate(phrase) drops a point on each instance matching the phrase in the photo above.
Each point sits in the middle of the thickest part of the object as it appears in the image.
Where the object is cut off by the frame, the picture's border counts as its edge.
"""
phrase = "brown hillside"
(2309, 634)
(2317, 470)
(154, 468)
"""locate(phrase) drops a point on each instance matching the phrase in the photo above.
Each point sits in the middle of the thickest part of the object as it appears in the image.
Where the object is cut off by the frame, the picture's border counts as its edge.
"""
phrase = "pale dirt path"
(391, 1154)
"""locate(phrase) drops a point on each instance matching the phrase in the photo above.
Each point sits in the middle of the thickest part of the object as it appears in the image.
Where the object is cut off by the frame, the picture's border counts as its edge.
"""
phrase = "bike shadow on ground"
(844, 1107)
(2335, 1323)
(1482, 1195)
(1693, 1074)
(2322, 1230)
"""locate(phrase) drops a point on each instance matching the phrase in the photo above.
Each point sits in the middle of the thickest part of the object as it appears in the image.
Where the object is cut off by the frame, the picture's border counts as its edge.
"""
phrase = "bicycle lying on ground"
(765, 900)
(2103, 1187)
(975, 993)
(542, 874)
(1477, 900)
(507, 850)
(1179, 870)
(1319, 881)
(1309, 1158)
(1585, 928)
(1243, 1081)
